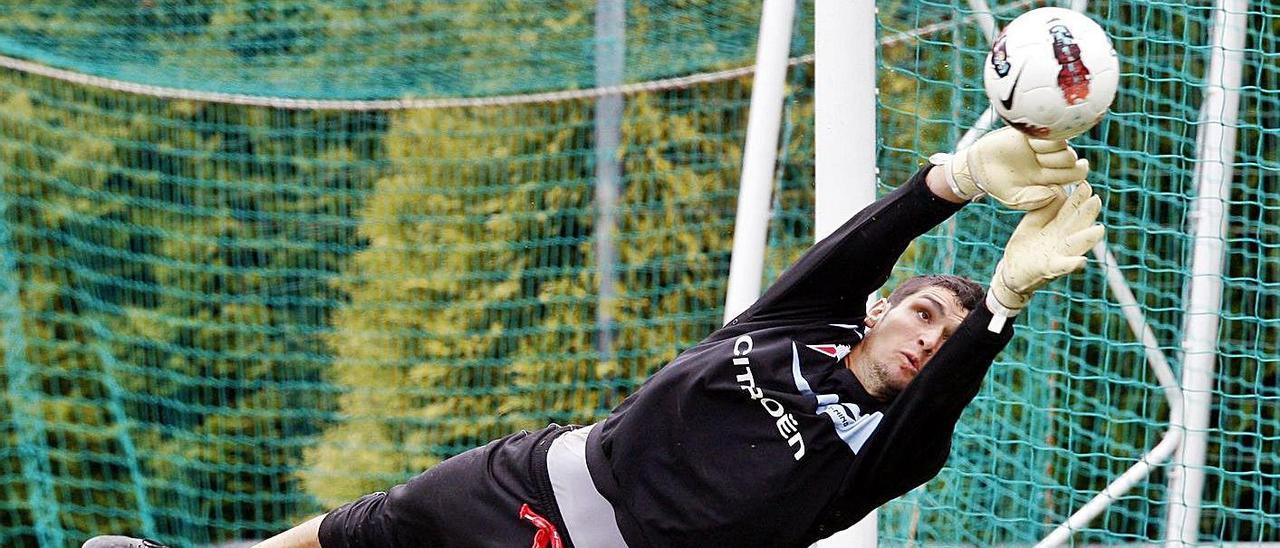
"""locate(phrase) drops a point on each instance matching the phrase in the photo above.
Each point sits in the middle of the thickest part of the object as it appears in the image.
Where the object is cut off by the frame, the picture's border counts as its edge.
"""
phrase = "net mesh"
(1072, 403)
(356, 49)
(221, 319)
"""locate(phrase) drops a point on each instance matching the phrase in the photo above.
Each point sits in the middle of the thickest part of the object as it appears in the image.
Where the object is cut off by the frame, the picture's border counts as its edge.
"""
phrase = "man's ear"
(876, 312)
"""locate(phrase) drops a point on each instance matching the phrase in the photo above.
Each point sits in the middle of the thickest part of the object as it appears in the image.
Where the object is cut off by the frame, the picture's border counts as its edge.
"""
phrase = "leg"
(306, 535)
(471, 500)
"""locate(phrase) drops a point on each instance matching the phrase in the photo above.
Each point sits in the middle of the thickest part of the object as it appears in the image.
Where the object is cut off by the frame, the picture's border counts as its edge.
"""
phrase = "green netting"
(1072, 403)
(357, 49)
(220, 319)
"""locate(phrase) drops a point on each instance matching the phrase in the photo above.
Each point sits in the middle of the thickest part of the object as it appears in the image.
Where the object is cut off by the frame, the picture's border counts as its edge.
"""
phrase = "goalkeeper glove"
(1048, 243)
(1018, 171)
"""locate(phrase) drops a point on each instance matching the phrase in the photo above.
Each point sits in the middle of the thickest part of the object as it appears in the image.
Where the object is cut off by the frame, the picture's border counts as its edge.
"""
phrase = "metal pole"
(746, 265)
(610, 51)
(1172, 437)
(1168, 382)
(982, 14)
(845, 143)
(986, 120)
(1215, 150)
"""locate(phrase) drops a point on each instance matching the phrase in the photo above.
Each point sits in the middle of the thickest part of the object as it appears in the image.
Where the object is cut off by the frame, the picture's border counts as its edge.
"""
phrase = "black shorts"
(473, 499)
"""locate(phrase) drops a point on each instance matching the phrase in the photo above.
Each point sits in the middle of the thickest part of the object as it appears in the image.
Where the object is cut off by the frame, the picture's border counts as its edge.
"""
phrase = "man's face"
(903, 338)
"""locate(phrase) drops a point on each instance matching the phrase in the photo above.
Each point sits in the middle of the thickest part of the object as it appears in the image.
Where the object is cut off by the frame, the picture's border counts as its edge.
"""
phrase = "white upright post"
(1215, 151)
(844, 110)
(759, 157)
(610, 48)
(845, 144)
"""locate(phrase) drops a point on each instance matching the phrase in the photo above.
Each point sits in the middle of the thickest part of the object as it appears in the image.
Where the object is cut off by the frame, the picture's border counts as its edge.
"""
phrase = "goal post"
(844, 143)
(760, 154)
(264, 257)
(1215, 149)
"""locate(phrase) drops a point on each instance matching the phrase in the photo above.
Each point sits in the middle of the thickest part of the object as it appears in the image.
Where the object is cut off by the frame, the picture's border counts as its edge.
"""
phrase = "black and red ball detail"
(1073, 77)
(1000, 57)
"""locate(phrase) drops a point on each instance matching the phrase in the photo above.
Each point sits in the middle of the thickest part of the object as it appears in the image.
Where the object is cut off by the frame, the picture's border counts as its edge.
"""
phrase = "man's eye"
(924, 315)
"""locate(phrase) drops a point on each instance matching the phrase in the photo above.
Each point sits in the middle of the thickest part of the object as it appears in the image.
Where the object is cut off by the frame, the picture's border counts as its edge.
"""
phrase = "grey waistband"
(586, 513)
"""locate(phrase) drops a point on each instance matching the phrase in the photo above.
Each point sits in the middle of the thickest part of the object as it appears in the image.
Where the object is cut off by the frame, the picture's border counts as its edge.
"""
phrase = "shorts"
(497, 495)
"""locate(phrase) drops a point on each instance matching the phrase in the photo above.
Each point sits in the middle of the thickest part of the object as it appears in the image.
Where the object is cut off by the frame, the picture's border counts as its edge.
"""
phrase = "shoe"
(117, 541)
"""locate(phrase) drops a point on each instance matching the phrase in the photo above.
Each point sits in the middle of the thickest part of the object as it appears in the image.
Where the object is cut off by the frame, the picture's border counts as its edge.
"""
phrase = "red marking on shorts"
(547, 536)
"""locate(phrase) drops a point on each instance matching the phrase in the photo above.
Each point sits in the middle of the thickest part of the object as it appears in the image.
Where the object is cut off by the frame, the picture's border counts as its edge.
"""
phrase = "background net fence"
(221, 318)
(1072, 403)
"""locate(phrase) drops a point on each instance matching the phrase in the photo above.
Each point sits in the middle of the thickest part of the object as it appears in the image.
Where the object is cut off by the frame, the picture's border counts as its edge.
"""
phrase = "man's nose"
(929, 341)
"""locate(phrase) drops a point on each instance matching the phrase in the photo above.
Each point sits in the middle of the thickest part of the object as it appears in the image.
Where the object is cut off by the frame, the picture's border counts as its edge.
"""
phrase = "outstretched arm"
(913, 441)
(833, 278)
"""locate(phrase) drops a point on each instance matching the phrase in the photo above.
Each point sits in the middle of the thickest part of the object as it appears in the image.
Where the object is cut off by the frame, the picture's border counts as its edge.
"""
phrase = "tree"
(173, 261)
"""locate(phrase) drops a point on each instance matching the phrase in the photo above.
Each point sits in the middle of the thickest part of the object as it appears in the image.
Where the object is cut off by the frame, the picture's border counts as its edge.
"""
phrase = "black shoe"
(117, 541)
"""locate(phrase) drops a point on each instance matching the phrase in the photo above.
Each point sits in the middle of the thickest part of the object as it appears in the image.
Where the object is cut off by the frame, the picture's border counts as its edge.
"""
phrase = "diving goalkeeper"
(791, 422)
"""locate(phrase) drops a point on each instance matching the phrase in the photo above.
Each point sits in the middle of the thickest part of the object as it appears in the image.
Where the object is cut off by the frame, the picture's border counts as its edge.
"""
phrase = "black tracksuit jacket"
(759, 436)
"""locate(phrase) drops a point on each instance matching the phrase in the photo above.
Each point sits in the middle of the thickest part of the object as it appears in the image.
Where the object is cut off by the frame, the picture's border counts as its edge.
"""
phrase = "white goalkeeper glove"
(1019, 172)
(1048, 243)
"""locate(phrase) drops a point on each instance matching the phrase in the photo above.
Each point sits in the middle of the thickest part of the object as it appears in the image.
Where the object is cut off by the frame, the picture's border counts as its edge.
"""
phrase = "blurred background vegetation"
(220, 319)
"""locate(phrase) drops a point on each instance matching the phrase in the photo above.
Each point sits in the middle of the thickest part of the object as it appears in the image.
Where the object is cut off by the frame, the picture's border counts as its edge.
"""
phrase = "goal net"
(1073, 403)
(259, 258)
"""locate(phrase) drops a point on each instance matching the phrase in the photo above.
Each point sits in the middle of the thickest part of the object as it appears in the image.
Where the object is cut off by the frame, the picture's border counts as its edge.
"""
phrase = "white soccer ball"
(1051, 73)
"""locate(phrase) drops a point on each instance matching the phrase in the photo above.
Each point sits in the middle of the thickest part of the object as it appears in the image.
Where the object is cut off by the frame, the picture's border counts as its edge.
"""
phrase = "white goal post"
(844, 90)
(845, 147)
(846, 176)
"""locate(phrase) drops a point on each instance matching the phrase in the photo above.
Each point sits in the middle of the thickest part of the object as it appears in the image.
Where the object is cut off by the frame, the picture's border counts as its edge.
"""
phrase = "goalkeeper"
(791, 422)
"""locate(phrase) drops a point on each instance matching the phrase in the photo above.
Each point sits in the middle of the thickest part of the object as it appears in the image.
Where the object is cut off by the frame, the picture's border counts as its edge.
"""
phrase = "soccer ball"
(1051, 73)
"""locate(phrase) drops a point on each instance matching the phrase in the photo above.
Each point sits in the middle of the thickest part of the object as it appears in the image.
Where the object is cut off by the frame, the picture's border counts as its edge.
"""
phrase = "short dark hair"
(967, 291)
